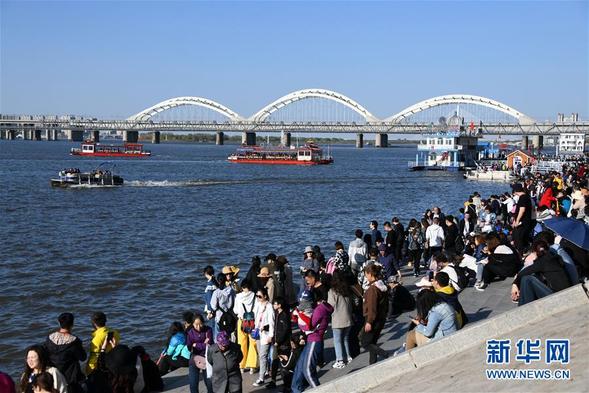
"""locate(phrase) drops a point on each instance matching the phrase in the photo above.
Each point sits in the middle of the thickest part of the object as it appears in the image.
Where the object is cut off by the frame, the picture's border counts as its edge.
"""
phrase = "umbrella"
(575, 231)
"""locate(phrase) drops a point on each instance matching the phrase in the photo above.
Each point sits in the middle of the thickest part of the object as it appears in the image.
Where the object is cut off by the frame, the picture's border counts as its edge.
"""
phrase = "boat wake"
(180, 183)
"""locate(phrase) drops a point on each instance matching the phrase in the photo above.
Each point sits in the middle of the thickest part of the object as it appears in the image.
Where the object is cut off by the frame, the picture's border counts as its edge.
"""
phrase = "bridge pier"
(75, 135)
(51, 135)
(538, 141)
(382, 140)
(36, 134)
(285, 139)
(156, 137)
(130, 136)
(96, 136)
(248, 138)
(525, 142)
(359, 141)
(220, 138)
(11, 135)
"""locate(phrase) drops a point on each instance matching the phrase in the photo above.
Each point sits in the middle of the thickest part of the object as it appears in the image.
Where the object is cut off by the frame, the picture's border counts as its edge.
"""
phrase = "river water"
(137, 252)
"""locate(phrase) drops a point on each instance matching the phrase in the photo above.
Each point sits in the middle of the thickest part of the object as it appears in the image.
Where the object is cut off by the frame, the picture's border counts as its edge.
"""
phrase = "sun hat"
(264, 272)
(230, 269)
(309, 249)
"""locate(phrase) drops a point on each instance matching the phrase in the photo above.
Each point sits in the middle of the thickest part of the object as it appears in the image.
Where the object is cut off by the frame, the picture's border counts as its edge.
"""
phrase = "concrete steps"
(457, 362)
(478, 306)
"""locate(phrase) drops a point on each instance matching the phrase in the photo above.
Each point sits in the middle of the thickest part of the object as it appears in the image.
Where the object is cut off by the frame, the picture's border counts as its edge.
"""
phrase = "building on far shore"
(571, 144)
(521, 157)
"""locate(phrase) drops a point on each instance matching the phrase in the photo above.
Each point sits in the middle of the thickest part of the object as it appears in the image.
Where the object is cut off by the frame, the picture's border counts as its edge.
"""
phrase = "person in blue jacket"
(175, 354)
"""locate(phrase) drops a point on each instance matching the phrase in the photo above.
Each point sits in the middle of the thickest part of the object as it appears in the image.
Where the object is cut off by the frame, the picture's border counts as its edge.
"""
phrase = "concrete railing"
(471, 336)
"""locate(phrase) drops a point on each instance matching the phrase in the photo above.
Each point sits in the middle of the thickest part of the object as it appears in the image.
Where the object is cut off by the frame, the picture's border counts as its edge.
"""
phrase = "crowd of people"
(267, 324)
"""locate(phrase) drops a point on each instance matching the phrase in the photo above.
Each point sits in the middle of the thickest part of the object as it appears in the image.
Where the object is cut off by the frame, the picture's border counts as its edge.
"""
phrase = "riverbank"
(477, 305)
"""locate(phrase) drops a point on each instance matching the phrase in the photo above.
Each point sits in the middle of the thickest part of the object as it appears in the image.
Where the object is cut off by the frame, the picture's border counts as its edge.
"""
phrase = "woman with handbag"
(263, 332)
(199, 337)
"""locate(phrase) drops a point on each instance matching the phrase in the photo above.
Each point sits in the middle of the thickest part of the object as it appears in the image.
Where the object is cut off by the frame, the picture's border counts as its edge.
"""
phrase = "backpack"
(228, 321)
(249, 320)
(463, 277)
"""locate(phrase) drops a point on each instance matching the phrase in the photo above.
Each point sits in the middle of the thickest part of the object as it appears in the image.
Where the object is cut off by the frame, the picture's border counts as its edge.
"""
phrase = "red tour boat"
(309, 154)
(93, 149)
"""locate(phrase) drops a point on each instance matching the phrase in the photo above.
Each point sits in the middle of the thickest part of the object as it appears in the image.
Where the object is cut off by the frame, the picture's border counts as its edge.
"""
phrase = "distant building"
(519, 157)
(571, 144)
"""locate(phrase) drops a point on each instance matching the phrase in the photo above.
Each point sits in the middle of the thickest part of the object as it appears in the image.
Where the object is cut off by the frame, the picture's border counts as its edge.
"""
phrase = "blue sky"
(113, 59)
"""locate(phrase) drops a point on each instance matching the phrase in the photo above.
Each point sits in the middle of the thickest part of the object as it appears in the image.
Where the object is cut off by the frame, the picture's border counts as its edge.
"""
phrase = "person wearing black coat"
(252, 274)
(451, 234)
(543, 277)
(399, 240)
(66, 352)
(282, 335)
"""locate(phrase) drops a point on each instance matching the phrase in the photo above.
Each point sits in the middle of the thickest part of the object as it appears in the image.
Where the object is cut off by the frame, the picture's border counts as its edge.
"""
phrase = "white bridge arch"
(459, 99)
(265, 112)
(179, 101)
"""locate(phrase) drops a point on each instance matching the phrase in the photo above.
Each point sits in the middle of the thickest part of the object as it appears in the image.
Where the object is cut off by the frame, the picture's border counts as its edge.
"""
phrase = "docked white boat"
(489, 174)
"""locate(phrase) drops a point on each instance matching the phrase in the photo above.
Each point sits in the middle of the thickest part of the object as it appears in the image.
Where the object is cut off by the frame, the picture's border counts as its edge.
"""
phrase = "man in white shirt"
(434, 236)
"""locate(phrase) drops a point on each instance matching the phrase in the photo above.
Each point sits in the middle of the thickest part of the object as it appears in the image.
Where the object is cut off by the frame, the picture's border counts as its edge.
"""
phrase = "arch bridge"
(264, 119)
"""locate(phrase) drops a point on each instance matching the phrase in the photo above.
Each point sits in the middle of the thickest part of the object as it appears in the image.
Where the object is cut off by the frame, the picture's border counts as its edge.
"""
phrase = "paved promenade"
(478, 306)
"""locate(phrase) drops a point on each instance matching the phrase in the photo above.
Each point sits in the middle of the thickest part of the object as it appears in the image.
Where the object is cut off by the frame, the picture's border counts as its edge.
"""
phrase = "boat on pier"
(95, 149)
(309, 154)
(489, 174)
(445, 151)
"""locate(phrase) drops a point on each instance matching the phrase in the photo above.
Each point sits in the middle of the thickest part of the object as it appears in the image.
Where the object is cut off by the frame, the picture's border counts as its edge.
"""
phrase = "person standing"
(340, 298)
(306, 369)
(282, 335)
(451, 236)
(265, 321)
(357, 252)
(231, 277)
(222, 303)
(522, 224)
(252, 274)
(399, 241)
(224, 357)
(374, 233)
(210, 288)
(267, 279)
(341, 259)
(244, 309)
(99, 336)
(66, 352)
(198, 338)
(434, 237)
(376, 306)
(415, 245)
(390, 240)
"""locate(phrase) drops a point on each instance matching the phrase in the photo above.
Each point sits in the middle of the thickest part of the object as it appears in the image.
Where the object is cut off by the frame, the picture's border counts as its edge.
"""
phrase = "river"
(137, 252)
